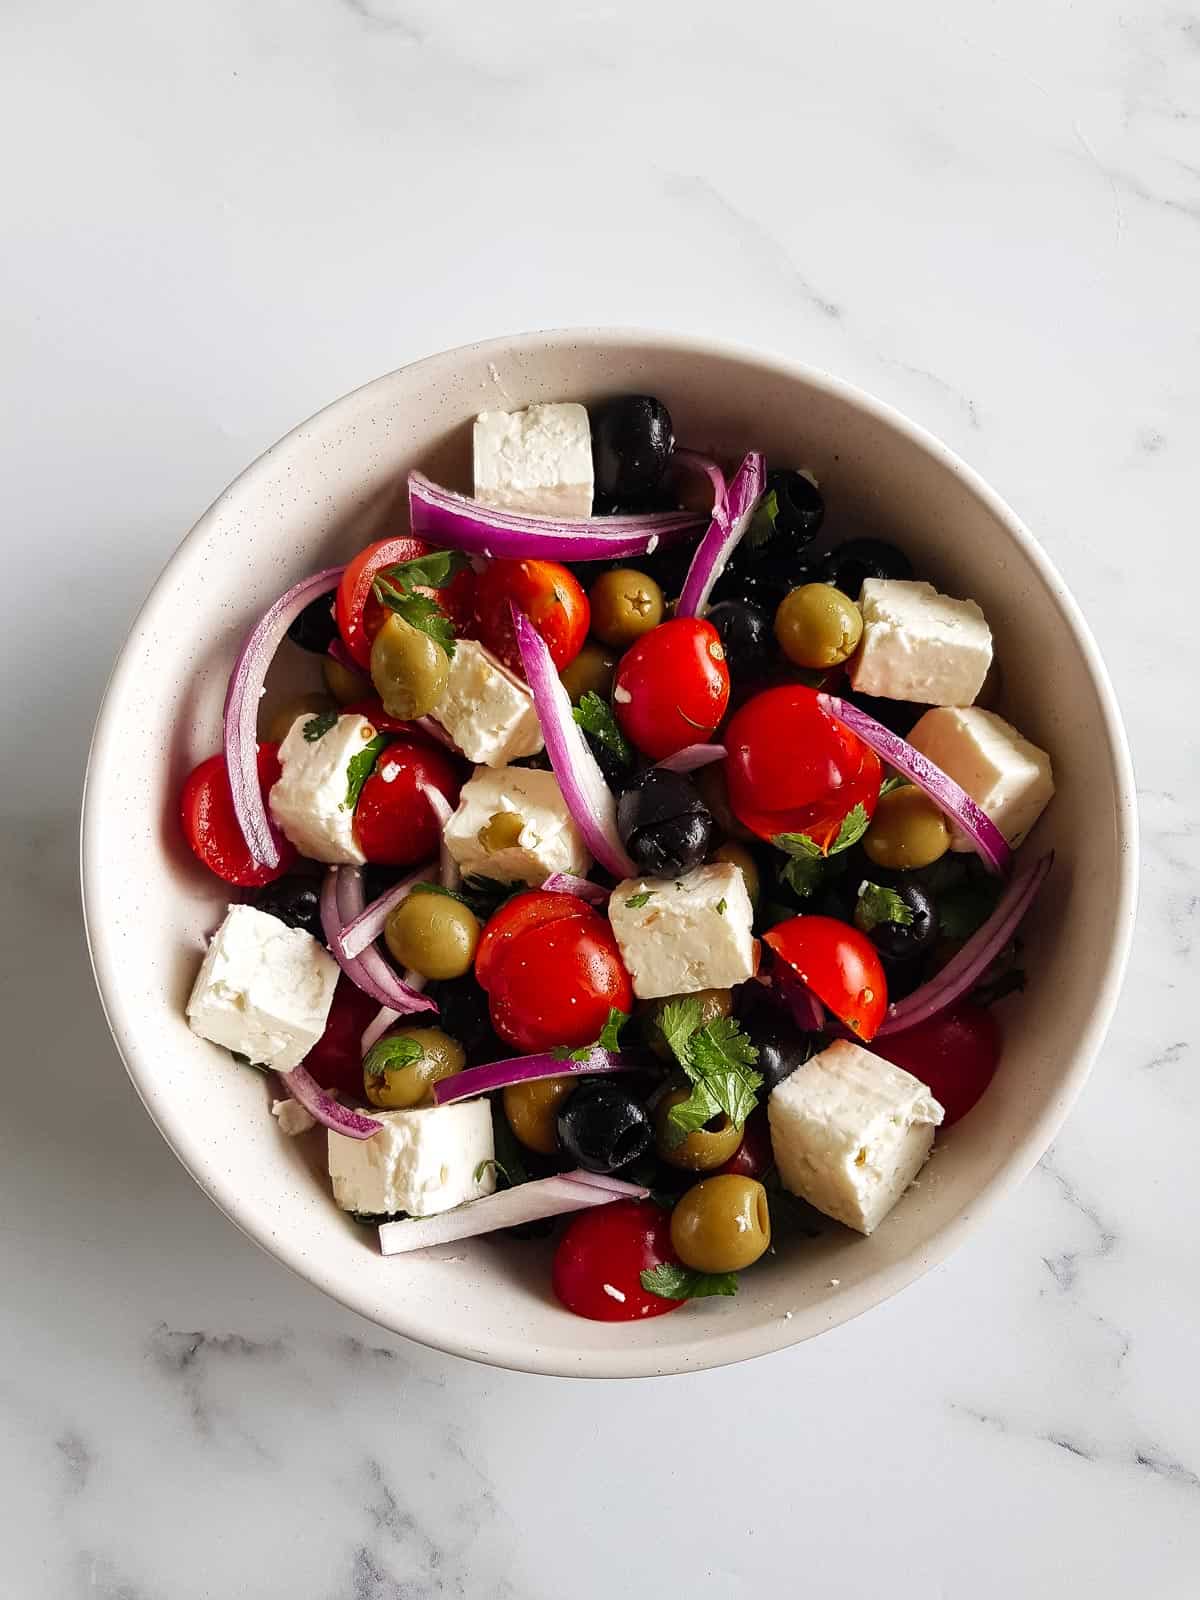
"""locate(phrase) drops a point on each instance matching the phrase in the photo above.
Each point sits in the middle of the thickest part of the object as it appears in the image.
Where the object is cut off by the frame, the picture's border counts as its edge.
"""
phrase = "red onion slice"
(617, 1187)
(528, 1202)
(451, 877)
(363, 930)
(341, 902)
(693, 461)
(306, 1091)
(241, 710)
(527, 1069)
(582, 888)
(724, 535)
(459, 523)
(693, 758)
(941, 788)
(960, 974)
(589, 799)
(374, 1031)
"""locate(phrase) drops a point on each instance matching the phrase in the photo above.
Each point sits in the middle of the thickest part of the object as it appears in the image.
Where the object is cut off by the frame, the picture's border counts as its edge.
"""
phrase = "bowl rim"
(772, 1334)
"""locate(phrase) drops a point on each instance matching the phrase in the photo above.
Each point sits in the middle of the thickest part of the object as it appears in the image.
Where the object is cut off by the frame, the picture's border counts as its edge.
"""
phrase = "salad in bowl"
(648, 873)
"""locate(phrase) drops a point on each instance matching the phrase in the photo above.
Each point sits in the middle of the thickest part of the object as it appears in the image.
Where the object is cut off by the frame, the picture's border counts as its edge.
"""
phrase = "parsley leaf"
(433, 571)
(595, 717)
(854, 825)
(390, 1055)
(718, 1060)
(804, 871)
(877, 904)
(674, 1282)
(358, 770)
(637, 901)
(762, 523)
(678, 1021)
(419, 611)
(894, 782)
(439, 888)
(317, 727)
(491, 1161)
(610, 1039)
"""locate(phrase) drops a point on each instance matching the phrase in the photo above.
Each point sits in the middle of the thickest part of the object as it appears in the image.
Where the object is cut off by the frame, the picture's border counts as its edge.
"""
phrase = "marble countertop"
(217, 218)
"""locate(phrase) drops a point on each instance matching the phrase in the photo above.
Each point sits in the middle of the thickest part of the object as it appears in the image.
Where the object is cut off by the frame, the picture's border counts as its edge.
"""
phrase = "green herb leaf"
(433, 571)
(439, 888)
(762, 523)
(718, 1060)
(491, 1161)
(876, 904)
(677, 1022)
(317, 727)
(390, 1055)
(419, 611)
(798, 845)
(486, 895)
(674, 1282)
(854, 825)
(803, 875)
(721, 905)
(610, 1033)
(595, 717)
(358, 770)
(637, 901)
(889, 784)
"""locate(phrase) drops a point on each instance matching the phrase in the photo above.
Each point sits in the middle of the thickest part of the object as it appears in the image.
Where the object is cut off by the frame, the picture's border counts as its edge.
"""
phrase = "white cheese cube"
(536, 460)
(850, 1132)
(678, 935)
(920, 645)
(547, 841)
(486, 709)
(1007, 777)
(263, 990)
(421, 1161)
(311, 800)
(292, 1117)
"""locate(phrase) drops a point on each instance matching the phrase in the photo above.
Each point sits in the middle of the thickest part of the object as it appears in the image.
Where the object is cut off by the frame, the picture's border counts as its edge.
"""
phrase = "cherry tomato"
(600, 1259)
(516, 917)
(359, 615)
(211, 825)
(839, 964)
(672, 687)
(335, 1061)
(393, 822)
(551, 597)
(555, 983)
(754, 1156)
(955, 1053)
(793, 768)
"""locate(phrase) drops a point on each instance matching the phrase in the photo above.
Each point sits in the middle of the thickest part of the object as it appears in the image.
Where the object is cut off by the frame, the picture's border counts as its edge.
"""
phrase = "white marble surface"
(216, 218)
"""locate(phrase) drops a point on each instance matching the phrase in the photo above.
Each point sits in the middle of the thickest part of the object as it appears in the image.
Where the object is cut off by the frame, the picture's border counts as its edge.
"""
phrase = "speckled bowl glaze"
(316, 497)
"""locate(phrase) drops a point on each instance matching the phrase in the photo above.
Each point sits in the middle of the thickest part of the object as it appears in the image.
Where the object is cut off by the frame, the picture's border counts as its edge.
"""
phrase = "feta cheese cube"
(292, 1117)
(1007, 777)
(264, 989)
(535, 836)
(920, 645)
(421, 1161)
(678, 935)
(310, 802)
(537, 460)
(486, 709)
(850, 1132)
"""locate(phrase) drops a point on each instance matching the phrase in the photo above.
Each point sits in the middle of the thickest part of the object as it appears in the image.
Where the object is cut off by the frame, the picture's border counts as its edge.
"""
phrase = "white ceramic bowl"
(315, 498)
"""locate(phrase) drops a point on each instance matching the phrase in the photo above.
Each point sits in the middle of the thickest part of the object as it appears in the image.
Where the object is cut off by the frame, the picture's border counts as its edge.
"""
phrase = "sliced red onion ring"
(604, 1180)
(724, 535)
(374, 1031)
(526, 1069)
(306, 1091)
(938, 785)
(241, 711)
(341, 902)
(693, 758)
(459, 523)
(693, 461)
(451, 877)
(589, 799)
(582, 888)
(363, 931)
(960, 974)
(528, 1202)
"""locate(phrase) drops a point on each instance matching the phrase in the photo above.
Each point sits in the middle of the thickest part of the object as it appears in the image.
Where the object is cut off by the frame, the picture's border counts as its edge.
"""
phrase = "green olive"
(532, 1111)
(722, 1224)
(907, 830)
(501, 831)
(408, 668)
(279, 725)
(713, 1003)
(441, 1057)
(344, 684)
(625, 605)
(433, 934)
(590, 672)
(702, 1151)
(739, 856)
(817, 625)
(710, 781)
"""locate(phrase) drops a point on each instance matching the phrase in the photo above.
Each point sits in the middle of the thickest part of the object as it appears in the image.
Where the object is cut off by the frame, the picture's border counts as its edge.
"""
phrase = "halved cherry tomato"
(754, 1156)
(672, 687)
(600, 1259)
(955, 1053)
(516, 917)
(211, 825)
(839, 964)
(550, 595)
(359, 615)
(393, 821)
(335, 1061)
(555, 983)
(793, 768)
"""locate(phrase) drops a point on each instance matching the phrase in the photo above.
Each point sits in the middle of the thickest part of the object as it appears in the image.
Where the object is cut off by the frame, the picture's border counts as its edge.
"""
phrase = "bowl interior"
(316, 497)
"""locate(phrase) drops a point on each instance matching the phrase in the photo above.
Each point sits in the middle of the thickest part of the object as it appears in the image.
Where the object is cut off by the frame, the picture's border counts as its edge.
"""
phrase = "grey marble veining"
(218, 218)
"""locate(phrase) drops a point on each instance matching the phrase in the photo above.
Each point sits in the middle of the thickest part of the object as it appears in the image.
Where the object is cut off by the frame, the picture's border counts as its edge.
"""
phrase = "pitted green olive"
(408, 668)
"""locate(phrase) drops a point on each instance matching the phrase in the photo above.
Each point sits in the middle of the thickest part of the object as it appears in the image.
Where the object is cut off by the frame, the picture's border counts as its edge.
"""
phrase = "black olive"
(762, 577)
(745, 631)
(603, 1128)
(850, 564)
(664, 823)
(801, 507)
(898, 715)
(902, 941)
(632, 440)
(294, 900)
(781, 1048)
(463, 1014)
(315, 628)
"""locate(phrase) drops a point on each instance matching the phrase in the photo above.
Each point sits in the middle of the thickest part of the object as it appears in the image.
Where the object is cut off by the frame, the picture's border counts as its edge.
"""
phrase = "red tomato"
(754, 1156)
(792, 768)
(672, 687)
(839, 964)
(206, 808)
(955, 1053)
(551, 597)
(335, 1061)
(516, 917)
(600, 1259)
(359, 615)
(555, 983)
(393, 821)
